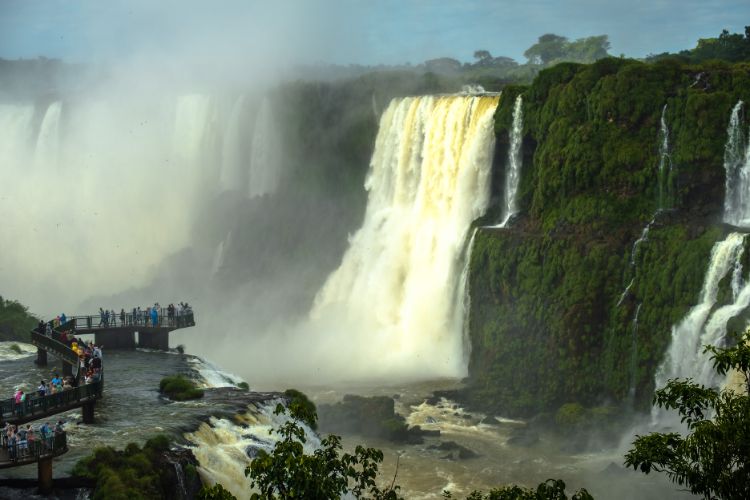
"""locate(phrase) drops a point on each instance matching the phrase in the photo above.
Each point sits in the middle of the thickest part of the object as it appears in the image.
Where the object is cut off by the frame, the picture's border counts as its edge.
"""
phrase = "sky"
(355, 31)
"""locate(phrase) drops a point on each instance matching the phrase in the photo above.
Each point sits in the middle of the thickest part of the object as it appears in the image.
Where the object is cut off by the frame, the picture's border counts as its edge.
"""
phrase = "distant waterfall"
(48, 141)
(634, 356)
(395, 291)
(265, 161)
(737, 167)
(233, 157)
(16, 131)
(706, 324)
(665, 162)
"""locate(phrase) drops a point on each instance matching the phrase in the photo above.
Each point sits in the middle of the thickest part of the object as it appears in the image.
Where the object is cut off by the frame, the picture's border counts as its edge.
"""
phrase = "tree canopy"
(551, 48)
(713, 459)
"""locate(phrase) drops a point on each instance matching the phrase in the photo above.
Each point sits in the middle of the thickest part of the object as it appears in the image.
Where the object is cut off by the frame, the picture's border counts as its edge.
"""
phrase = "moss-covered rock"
(179, 388)
(368, 416)
(551, 321)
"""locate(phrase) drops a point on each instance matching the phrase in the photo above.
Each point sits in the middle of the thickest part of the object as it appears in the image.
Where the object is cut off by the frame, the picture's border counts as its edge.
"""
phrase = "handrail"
(95, 322)
(39, 406)
(32, 451)
(55, 346)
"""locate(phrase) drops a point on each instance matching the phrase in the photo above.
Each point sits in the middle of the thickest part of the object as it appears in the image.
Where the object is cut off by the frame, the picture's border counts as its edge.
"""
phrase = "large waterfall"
(113, 179)
(393, 299)
(737, 167)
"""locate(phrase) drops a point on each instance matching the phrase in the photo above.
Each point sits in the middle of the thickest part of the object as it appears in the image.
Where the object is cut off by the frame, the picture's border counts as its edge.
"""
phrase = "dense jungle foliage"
(555, 296)
(15, 320)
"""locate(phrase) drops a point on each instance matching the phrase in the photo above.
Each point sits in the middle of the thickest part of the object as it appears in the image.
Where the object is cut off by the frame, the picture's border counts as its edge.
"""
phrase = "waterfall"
(395, 290)
(737, 167)
(634, 356)
(705, 323)
(16, 132)
(463, 297)
(665, 161)
(48, 141)
(265, 153)
(513, 166)
(233, 158)
(633, 254)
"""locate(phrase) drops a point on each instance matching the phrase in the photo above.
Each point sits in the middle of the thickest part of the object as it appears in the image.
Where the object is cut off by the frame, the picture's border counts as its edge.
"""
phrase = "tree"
(713, 460)
(482, 55)
(547, 49)
(287, 472)
(551, 489)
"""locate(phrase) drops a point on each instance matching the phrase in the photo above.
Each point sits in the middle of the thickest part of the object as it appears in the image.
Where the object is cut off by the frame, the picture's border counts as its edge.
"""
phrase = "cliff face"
(551, 321)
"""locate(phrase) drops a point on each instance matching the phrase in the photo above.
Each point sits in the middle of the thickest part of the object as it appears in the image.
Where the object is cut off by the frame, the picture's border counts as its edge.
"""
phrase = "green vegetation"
(215, 492)
(733, 47)
(134, 473)
(550, 323)
(243, 386)
(179, 388)
(301, 405)
(713, 460)
(15, 320)
(551, 489)
(288, 472)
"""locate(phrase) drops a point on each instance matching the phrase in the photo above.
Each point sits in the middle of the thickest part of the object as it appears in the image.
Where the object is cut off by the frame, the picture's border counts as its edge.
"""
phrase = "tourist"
(59, 429)
(154, 316)
(21, 442)
(113, 315)
(48, 330)
(46, 434)
(63, 319)
(30, 437)
(42, 389)
(122, 317)
(12, 451)
(102, 320)
(19, 398)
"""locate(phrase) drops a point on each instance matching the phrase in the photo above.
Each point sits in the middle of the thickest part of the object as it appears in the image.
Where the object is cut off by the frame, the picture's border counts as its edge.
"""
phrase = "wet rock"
(524, 437)
(430, 420)
(432, 400)
(396, 396)
(456, 450)
(490, 420)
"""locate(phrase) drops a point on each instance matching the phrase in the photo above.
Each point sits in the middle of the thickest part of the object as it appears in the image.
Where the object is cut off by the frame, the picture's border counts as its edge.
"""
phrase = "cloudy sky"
(353, 31)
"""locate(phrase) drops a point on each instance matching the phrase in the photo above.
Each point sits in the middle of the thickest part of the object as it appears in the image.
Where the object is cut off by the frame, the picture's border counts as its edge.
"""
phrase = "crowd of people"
(156, 315)
(21, 441)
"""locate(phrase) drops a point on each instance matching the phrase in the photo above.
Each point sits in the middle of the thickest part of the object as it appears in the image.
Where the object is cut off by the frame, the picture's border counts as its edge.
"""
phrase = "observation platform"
(118, 332)
(40, 451)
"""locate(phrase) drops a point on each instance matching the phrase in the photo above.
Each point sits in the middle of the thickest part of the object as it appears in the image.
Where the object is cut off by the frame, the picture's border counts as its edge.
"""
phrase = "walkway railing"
(55, 346)
(32, 451)
(128, 320)
(37, 406)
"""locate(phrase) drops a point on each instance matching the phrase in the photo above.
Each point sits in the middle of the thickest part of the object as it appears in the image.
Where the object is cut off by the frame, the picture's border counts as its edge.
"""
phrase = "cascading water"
(48, 141)
(704, 324)
(90, 160)
(665, 161)
(513, 167)
(395, 291)
(265, 153)
(234, 154)
(737, 167)
(634, 356)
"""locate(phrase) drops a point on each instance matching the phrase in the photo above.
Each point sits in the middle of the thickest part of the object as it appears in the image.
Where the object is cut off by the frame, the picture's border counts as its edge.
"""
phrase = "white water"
(514, 164)
(265, 156)
(704, 324)
(737, 167)
(225, 448)
(395, 291)
(15, 350)
(123, 177)
(212, 376)
(665, 161)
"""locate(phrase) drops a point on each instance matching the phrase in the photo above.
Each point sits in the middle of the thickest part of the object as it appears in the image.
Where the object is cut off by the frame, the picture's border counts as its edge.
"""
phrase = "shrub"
(179, 388)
